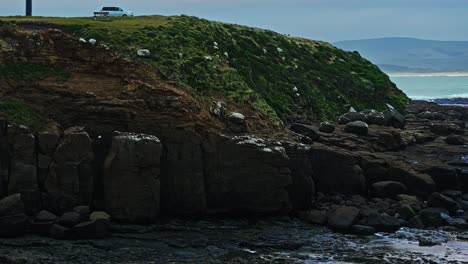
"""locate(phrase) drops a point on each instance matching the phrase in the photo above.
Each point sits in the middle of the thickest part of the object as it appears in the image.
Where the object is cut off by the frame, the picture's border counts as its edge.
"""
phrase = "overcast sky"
(329, 20)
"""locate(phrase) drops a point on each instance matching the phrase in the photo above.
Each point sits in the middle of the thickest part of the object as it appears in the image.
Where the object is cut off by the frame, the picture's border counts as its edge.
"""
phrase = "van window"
(106, 9)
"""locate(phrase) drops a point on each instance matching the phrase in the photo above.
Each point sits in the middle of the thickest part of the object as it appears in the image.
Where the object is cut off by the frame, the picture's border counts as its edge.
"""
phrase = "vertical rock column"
(131, 177)
(70, 179)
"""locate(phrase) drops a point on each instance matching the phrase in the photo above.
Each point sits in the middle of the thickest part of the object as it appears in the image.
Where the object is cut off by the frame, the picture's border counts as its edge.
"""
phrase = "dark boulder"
(445, 128)
(361, 230)
(445, 177)
(373, 117)
(314, 217)
(306, 130)
(442, 201)
(383, 222)
(343, 218)
(45, 216)
(11, 205)
(394, 118)
(59, 232)
(326, 127)
(69, 219)
(13, 225)
(406, 212)
(455, 140)
(357, 127)
(415, 222)
(236, 123)
(388, 189)
(432, 217)
(91, 229)
(351, 117)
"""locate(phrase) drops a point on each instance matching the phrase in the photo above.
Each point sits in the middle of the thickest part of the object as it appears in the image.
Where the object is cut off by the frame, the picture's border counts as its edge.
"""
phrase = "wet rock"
(326, 127)
(406, 212)
(454, 194)
(459, 223)
(306, 130)
(395, 118)
(69, 219)
(455, 140)
(131, 177)
(357, 127)
(445, 177)
(59, 232)
(343, 218)
(416, 183)
(13, 225)
(45, 216)
(388, 189)
(91, 229)
(237, 123)
(11, 205)
(415, 222)
(383, 222)
(440, 200)
(431, 240)
(361, 230)
(432, 217)
(314, 217)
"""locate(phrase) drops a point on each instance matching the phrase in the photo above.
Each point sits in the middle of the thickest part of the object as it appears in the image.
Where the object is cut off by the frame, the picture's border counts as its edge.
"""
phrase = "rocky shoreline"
(356, 177)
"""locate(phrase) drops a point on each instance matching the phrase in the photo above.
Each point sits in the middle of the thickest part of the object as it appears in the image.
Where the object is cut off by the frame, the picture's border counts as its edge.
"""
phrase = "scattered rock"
(69, 219)
(361, 230)
(383, 222)
(237, 123)
(440, 200)
(343, 218)
(11, 205)
(395, 119)
(432, 217)
(406, 212)
(326, 127)
(143, 53)
(306, 130)
(45, 216)
(357, 127)
(314, 217)
(59, 232)
(415, 222)
(388, 189)
(455, 140)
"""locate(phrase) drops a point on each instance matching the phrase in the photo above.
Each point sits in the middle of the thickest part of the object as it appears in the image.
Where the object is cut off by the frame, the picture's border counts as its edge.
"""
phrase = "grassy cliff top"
(280, 75)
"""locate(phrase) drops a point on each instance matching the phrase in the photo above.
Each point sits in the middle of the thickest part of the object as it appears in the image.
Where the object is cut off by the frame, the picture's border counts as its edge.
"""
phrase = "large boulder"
(455, 140)
(442, 201)
(246, 174)
(382, 222)
(11, 205)
(394, 118)
(306, 130)
(373, 117)
(236, 122)
(445, 177)
(388, 189)
(314, 217)
(326, 127)
(131, 177)
(343, 218)
(445, 128)
(357, 127)
(433, 217)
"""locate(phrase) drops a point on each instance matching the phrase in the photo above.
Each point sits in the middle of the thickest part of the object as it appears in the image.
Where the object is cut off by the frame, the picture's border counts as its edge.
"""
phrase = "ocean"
(452, 86)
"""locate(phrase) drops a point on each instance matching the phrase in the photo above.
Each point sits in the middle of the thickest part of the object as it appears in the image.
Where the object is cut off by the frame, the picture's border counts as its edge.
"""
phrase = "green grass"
(19, 113)
(328, 79)
(12, 70)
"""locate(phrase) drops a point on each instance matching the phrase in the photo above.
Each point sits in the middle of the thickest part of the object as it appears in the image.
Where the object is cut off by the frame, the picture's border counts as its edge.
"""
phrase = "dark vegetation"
(248, 65)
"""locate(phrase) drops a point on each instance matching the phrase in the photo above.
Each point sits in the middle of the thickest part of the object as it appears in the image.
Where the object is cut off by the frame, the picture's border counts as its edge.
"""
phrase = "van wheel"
(124, 16)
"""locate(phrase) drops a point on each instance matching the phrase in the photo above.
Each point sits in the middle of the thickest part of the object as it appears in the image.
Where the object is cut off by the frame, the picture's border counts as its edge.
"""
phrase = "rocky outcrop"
(246, 174)
(336, 170)
(70, 176)
(132, 177)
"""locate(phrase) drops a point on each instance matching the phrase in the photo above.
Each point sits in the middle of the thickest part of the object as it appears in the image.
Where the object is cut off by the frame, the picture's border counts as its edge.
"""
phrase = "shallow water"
(427, 86)
(273, 240)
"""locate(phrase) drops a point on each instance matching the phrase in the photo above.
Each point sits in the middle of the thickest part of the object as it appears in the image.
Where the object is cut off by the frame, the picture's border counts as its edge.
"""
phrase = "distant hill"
(411, 55)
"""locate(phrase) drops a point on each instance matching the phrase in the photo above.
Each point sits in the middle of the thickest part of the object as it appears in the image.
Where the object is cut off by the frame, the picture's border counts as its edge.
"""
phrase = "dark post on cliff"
(28, 7)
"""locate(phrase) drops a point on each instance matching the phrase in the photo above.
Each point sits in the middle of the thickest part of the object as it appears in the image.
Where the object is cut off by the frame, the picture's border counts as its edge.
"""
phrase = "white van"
(113, 11)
